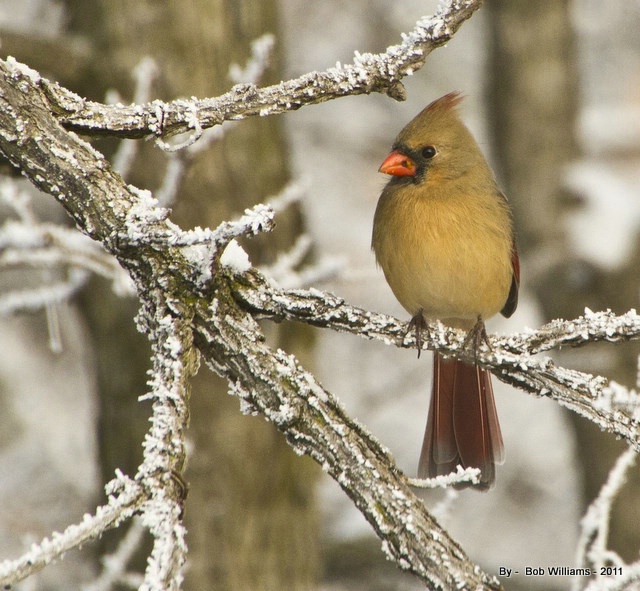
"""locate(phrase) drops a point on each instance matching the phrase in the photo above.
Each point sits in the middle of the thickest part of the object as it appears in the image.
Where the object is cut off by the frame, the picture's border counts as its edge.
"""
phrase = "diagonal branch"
(273, 384)
(122, 504)
(368, 73)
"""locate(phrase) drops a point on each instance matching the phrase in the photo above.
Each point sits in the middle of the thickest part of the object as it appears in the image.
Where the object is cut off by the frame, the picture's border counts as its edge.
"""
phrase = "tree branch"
(273, 383)
(192, 304)
(160, 258)
(126, 498)
(368, 73)
(511, 358)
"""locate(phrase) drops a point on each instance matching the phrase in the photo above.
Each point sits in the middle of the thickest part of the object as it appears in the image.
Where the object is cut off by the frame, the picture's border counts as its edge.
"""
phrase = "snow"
(235, 257)
(22, 69)
(144, 212)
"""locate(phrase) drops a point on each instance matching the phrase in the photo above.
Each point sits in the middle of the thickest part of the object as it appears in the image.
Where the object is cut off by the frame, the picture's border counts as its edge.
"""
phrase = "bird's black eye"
(429, 152)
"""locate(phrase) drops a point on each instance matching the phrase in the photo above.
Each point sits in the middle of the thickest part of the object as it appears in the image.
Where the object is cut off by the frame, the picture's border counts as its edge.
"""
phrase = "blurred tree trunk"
(250, 510)
(533, 101)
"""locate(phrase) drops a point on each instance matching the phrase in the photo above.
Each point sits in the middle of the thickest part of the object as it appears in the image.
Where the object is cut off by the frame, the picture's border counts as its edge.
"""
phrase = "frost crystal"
(144, 212)
(20, 68)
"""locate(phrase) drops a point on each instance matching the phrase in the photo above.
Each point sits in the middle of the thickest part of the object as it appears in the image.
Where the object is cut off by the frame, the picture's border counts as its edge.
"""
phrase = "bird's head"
(435, 146)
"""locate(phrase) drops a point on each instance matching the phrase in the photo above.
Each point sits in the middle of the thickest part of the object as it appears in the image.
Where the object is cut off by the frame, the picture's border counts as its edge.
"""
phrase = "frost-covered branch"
(168, 326)
(609, 571)
(261, 53)
(157, 492)
(273, 383)
(143, 75)
(608, 405)
(329, 311)
(46, 247)
(129, 224)
(590, 328)
(125, 499)
(462, 475)
(288, 271)
(201, 298)
(367, 73)
(114, 566)
(187, 306)
(592, 548)
(61, 258)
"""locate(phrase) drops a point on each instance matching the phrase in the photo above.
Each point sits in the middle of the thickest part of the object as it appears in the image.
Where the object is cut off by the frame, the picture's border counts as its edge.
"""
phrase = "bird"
(443, 235)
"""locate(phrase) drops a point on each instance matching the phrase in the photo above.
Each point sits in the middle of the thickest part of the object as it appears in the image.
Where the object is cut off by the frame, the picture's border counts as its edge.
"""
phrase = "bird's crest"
(447, 102)
(437, 123)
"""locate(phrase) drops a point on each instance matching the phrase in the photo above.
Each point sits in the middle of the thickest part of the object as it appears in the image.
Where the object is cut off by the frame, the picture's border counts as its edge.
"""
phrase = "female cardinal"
(443, 235)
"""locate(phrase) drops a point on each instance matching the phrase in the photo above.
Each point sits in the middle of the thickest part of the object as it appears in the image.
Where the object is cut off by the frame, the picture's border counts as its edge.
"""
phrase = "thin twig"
(119, 508)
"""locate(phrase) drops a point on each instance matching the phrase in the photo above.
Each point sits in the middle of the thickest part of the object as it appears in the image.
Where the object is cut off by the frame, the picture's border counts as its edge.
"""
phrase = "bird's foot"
(419, 325)
(476, 337)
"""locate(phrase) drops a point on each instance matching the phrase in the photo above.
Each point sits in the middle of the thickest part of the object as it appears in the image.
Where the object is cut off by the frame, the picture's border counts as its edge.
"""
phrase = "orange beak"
(398, 164)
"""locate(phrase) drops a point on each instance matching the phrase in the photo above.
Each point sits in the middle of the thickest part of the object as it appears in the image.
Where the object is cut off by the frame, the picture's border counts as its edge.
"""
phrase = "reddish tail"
(462, 427)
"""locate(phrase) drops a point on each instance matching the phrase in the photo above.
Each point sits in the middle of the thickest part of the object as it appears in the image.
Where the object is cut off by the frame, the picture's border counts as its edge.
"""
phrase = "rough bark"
(242, 486)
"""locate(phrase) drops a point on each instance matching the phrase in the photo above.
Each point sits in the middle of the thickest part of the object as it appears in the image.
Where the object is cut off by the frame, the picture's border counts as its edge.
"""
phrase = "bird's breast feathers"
(450, 257)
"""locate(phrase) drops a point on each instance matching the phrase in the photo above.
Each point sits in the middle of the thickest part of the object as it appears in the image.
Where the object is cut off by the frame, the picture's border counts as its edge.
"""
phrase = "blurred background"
(553, 97)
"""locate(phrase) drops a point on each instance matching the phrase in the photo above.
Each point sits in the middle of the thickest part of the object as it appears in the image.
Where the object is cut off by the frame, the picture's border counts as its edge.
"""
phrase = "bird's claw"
(476, 337)
(419, 325)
